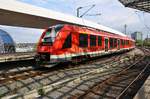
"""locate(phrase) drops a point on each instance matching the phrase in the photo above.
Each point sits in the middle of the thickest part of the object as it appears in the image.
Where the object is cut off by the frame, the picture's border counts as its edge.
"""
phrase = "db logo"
(43, 49)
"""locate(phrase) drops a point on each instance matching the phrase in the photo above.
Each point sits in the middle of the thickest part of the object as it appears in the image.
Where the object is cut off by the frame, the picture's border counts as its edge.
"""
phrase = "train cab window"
(111, 43)
(51, 34)
(83, 40)
(48, 38)
(99, 41)
(92, 40)
(68, 43)
(58, 27)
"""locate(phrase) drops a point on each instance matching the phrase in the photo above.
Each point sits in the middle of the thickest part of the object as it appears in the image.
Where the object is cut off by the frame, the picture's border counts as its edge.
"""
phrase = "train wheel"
(75, 60)
(37, 62)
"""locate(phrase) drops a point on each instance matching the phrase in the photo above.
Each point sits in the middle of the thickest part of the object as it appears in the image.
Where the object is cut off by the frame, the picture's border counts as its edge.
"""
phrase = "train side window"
(124, 42)
(115, 43)
(121, 42)
(92, 40)
(99, 41)
(111, 42)
(68, 42)
(83, 40)
(114, 40)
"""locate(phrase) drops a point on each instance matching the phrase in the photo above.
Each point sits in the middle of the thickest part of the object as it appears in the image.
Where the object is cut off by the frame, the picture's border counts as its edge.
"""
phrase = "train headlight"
(42, 40)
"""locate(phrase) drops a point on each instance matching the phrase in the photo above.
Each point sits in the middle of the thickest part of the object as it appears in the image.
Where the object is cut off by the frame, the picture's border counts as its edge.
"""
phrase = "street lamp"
(78, 10)
(125, 28)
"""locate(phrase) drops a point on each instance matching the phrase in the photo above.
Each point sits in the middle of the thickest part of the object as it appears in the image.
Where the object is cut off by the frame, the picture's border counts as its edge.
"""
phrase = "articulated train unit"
(66, 42)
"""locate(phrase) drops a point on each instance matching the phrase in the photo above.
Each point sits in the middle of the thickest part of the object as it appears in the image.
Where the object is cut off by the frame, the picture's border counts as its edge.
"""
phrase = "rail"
(100, 87)
(82, 71)
(125, 90)
(96, 71)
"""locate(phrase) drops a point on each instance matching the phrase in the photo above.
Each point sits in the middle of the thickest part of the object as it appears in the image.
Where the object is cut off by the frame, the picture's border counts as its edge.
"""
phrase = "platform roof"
(143, 5)
(15, 13)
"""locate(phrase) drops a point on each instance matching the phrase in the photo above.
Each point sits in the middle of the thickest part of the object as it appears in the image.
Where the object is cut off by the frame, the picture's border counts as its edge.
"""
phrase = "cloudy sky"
(113, 14)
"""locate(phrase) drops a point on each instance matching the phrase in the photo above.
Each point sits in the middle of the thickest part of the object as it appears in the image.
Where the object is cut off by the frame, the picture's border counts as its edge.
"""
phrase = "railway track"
(55, 74)
(109, 89)
(69, 76)
(15, 75)
(122, 84)
(68, 82)
(115, 80)
(18, 56)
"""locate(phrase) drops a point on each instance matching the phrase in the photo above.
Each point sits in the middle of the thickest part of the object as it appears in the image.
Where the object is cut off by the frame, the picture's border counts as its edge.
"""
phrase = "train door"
(106, 44)
(118, 43)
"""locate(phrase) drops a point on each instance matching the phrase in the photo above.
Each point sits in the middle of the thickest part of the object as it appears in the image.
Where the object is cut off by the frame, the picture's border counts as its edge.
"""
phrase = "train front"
(45, 46)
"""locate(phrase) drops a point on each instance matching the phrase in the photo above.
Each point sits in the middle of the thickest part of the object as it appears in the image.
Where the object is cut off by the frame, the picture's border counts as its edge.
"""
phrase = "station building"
(7, 44)
(137, 36)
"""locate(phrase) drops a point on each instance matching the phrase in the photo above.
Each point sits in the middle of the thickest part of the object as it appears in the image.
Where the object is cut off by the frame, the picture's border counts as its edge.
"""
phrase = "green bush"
(41, 91)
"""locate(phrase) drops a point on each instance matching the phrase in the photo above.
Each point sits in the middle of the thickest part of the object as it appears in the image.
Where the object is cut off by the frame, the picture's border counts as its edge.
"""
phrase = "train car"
(65, 42)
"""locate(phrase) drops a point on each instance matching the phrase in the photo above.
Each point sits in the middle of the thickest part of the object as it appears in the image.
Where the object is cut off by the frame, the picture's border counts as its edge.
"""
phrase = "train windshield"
(51, 35)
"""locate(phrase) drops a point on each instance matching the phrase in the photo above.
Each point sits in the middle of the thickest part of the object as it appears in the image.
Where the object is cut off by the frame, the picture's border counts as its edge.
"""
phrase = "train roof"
(101, 27)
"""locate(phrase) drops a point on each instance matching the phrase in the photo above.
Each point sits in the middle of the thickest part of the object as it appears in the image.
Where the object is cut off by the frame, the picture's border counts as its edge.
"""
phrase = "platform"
(144, 92)
(16, 57)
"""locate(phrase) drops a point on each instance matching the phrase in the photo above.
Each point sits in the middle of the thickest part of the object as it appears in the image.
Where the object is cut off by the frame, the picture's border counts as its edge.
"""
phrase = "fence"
(25, 47)
(18, 47)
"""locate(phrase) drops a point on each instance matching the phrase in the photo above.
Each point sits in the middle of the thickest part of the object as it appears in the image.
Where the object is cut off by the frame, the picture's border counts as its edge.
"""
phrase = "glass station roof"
(5, 37)
(143, 5)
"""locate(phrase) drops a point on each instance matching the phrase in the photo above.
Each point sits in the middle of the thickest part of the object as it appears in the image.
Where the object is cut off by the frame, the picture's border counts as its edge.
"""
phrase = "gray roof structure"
(143, 5)
(15, 13)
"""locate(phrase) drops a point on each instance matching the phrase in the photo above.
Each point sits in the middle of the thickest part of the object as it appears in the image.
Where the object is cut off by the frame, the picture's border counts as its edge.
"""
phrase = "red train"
(66, 42)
